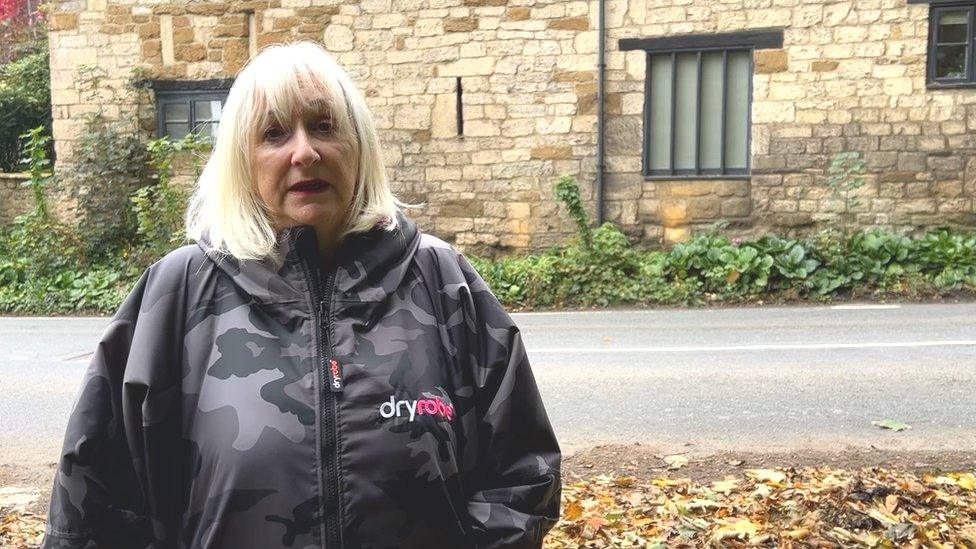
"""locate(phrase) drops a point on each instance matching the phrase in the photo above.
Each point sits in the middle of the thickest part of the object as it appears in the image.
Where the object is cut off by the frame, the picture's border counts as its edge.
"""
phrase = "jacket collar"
(368, 266)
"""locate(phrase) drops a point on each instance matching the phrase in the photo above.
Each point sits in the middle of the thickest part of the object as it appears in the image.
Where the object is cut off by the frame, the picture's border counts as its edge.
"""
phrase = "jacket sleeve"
(514, 497)
(105, 494)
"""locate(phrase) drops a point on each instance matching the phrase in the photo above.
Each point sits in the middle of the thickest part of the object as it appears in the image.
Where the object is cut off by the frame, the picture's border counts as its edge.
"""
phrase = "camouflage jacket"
(386, 402)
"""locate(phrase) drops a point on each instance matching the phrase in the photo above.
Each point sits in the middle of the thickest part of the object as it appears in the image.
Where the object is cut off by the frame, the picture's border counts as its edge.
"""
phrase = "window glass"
(205, 111)
(950, 62)
(686, 105)
(660, 134)
(176, 119)
(951, 52)
(712, 90)
(737, 110)
(953, 27)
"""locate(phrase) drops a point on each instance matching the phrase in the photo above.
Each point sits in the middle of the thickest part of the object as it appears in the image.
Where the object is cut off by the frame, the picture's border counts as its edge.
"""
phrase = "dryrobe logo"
(427, 406)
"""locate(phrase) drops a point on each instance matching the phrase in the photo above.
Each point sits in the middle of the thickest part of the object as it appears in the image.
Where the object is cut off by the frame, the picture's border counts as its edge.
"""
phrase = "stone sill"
(21, 175)
(697, 177)
(959, 86)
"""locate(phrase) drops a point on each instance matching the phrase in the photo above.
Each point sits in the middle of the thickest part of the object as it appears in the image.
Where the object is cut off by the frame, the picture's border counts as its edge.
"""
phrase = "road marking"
(864, 307)
(759, 347)
(77, 357)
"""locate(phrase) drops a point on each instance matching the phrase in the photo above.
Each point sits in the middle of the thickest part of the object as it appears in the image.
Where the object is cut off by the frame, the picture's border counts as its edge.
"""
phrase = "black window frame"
(186, 92)
(969, 80)
(700, 44)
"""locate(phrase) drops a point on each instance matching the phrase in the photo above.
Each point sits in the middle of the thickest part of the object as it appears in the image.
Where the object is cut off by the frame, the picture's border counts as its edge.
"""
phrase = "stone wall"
(14, 198)
(849, 77)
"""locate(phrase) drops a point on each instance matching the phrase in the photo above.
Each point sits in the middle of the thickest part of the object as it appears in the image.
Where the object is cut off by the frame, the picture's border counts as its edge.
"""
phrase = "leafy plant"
(567, 191)
(949, 258)
(159, 208)
(844, 177)
(25, 103)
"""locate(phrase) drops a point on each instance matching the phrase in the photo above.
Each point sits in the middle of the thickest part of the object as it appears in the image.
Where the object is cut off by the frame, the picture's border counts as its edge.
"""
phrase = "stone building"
(730, 110)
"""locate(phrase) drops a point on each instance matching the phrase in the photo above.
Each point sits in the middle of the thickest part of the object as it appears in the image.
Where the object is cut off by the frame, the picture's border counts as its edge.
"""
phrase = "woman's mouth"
(309, 186)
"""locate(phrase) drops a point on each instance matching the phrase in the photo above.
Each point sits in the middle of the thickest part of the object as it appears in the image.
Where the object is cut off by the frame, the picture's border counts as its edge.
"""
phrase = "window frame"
(969, 80)
(163, 99)
(186, 92)
(700, 44)
(723, 172)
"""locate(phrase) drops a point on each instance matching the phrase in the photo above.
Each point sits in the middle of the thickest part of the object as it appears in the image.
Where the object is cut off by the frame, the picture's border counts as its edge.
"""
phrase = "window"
(697, 103)
(696, 113)
(184, 107)
(951, 44)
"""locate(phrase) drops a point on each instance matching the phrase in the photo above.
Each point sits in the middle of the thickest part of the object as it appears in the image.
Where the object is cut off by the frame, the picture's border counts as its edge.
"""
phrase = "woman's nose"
(303, 153)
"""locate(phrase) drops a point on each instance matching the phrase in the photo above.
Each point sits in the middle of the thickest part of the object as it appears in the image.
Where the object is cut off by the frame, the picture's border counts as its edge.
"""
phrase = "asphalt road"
(740, 379)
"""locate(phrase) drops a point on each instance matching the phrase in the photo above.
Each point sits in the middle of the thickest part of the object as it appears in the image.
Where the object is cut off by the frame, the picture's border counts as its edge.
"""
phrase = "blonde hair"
(277, 82)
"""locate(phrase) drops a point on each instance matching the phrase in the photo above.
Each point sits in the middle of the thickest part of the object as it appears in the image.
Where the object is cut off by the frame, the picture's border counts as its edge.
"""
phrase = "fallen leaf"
(766, 475)
(738, 528)
(725, 486)
(675, 462)
(799, 533)
(891, 424)
(572, 511)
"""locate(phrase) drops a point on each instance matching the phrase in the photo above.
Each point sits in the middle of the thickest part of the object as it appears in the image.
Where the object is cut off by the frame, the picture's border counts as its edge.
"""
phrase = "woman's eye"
(324, 126)
(273, 133)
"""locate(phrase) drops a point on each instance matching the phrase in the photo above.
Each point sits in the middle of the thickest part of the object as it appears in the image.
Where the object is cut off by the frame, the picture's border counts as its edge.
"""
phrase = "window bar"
(725, 99)
(674, 102)
(647, 116)
(698, 125)
(749, 75)
(970, 44)
(460, 110)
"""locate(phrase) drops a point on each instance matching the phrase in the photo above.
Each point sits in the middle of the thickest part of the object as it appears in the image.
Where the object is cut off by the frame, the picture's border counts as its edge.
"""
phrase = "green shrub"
(948, 258)
(111, 164)
(159, 209)
(599, 267)
(25, 103)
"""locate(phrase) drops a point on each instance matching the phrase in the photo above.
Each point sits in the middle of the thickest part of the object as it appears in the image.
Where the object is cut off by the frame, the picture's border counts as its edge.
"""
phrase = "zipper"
(331, 379)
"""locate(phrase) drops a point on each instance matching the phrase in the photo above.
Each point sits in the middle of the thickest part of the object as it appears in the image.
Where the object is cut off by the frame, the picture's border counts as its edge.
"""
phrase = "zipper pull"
(323, 312)
(335, 375)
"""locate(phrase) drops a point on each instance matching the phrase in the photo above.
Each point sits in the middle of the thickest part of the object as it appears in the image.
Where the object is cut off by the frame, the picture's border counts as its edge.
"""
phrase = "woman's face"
(305, 173)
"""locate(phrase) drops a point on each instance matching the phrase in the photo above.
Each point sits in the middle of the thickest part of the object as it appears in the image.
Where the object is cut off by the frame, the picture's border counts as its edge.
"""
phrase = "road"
(739, 379)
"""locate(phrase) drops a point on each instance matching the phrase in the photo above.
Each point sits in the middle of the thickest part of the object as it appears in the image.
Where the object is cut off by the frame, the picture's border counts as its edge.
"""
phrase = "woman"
(314, 372)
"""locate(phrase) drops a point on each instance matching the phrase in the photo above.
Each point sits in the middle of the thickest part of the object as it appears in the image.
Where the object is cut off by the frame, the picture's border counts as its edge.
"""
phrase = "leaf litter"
(776, 507)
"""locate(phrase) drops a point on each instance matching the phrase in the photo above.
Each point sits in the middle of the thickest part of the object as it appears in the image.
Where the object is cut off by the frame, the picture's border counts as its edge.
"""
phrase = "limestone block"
(580, 23)
(413, 117)
(673, 212)
(444, 123)
(585, 42)
(518, 127)
(915, 206)
(547, 126)
(550, 152)
(517, 14)
(850, 34)
(338, 38)
(773, 111)
(824, 65)
(481, 128)
(476, 173)
(955, 205)
(460, 24)
(63, 21)
(518, 210)
(486, 157)
(468, 67)
(736, 207)
(676, 235)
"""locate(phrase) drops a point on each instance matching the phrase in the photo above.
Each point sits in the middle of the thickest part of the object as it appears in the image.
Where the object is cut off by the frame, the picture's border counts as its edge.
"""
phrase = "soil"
(643, 461)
